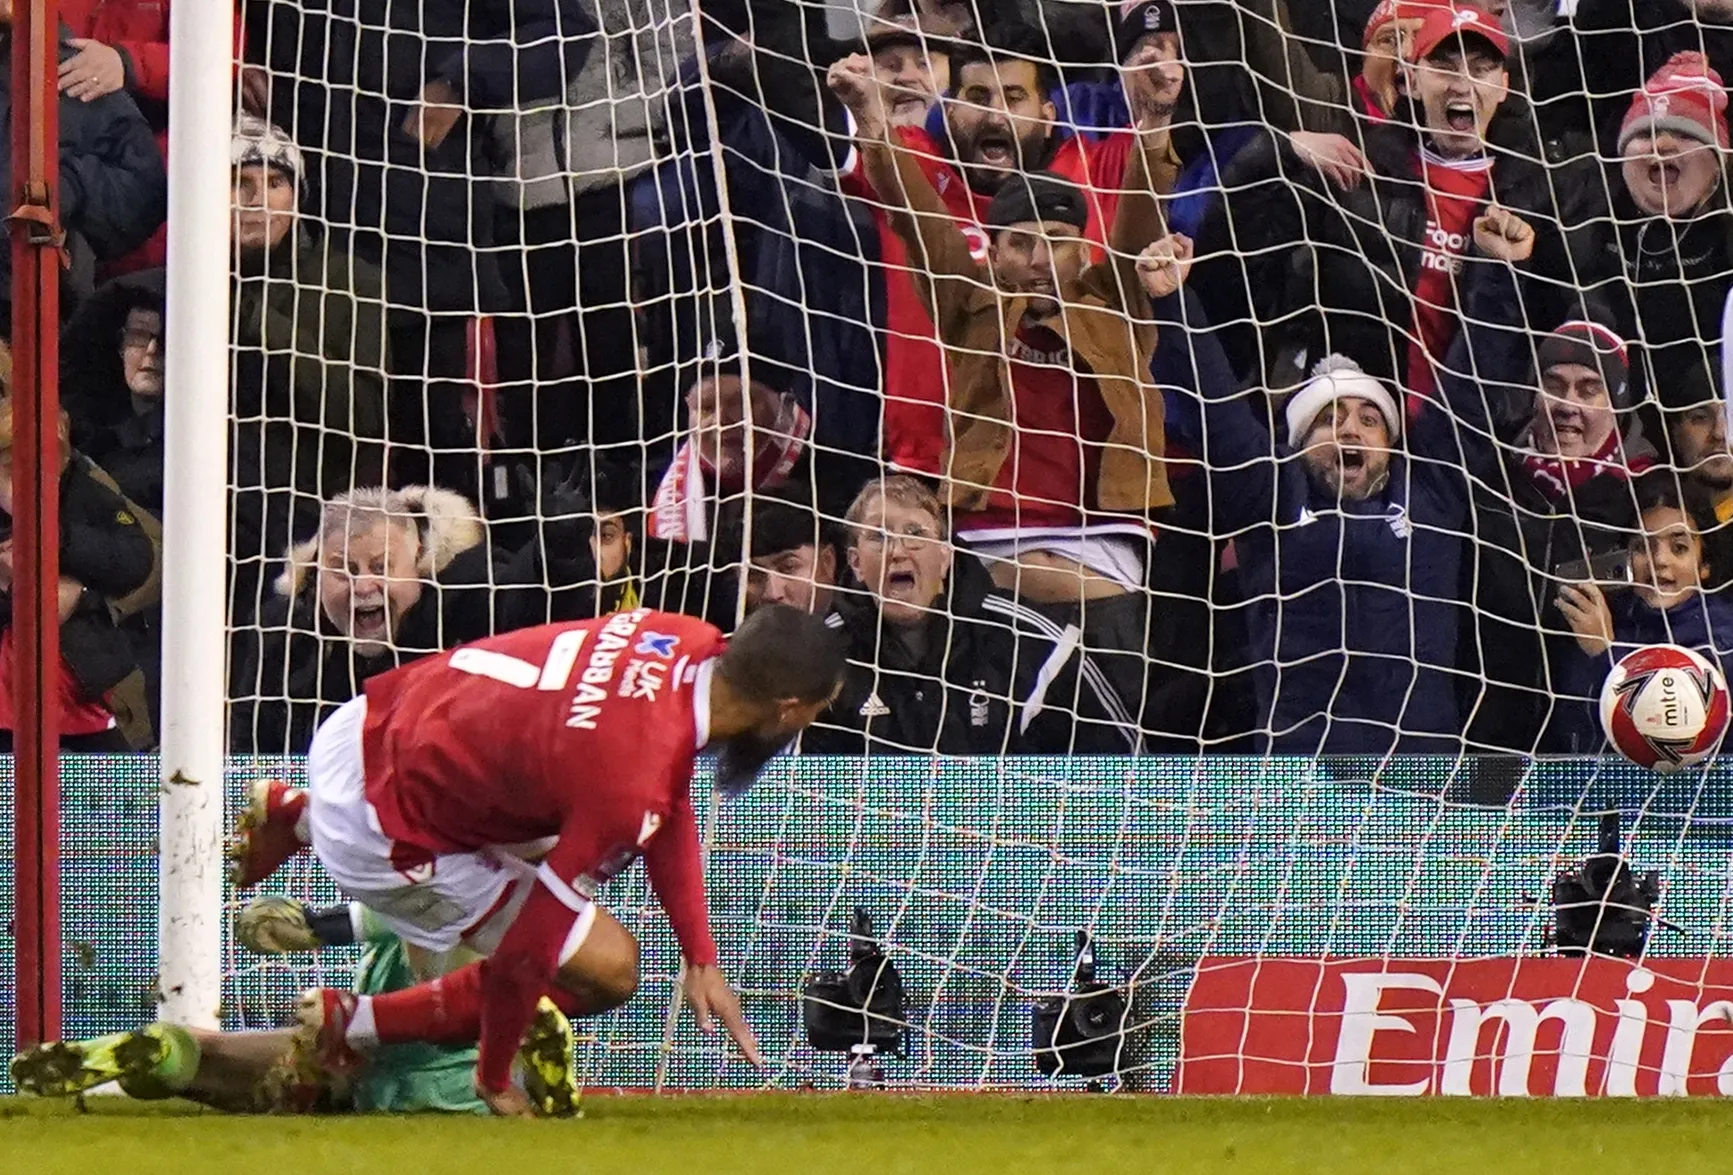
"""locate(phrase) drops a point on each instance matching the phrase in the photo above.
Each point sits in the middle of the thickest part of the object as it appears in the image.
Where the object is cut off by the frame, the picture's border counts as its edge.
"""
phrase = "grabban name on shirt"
(613, 640)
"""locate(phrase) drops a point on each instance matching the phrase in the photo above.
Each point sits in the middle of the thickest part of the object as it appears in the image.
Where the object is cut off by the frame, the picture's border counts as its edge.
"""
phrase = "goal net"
(1235, 442)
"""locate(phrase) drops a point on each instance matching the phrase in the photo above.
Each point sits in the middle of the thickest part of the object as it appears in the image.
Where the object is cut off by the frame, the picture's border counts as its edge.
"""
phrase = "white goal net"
(1235, 440)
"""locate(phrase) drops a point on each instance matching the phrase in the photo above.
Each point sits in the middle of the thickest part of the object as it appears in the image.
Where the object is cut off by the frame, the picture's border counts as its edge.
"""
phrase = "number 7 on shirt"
(552, 674)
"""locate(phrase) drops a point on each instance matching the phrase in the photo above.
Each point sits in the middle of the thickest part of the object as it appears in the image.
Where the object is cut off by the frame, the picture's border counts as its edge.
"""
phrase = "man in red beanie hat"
(1673, 135)
(1388, 42)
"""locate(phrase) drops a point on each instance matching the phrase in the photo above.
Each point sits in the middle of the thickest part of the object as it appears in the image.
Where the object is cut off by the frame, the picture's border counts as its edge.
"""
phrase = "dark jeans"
(568, 353)
(431, 439)
(1138, 651)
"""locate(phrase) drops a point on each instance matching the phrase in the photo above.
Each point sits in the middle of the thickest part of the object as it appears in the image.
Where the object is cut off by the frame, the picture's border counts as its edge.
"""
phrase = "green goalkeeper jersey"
(409, 1078)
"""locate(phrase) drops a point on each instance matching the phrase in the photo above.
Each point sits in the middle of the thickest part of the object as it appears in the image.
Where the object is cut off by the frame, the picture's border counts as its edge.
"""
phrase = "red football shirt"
(583, 731)
(915, 376)
(1060, 424)
(1455, 194)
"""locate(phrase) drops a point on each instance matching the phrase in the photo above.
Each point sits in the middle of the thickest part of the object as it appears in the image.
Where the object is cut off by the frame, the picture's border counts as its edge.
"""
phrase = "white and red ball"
(1665, 707)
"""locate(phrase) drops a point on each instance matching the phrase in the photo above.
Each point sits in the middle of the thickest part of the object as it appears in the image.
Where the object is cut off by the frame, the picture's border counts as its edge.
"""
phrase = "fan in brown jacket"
(1055, 450)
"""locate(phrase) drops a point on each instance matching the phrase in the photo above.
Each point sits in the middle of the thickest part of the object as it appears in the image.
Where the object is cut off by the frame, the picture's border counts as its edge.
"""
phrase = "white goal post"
(196, 504)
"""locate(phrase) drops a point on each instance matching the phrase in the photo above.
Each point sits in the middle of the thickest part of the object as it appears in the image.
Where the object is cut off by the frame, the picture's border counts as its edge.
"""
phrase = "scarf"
(680, 511)
(1374, 107)
(1555, 475)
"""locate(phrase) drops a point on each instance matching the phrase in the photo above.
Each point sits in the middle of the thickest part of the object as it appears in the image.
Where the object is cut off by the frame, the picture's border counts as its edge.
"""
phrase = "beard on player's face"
(740, 758)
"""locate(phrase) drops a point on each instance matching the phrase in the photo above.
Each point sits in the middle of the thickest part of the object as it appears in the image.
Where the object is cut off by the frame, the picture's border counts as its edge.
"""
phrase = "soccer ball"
(1664, 707)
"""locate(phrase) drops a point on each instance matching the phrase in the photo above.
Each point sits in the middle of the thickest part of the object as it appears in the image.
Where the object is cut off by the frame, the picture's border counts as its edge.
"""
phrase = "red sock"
(446, 1010)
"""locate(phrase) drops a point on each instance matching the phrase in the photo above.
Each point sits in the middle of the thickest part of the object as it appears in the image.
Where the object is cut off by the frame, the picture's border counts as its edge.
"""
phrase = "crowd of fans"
(1157, 376)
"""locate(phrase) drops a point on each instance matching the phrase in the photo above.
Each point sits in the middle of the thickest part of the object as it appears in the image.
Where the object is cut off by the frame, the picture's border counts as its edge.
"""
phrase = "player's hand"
(1332, 156)
(509, 1102)
(1152, 88)
(433, 117)
(1164, 264)
(1503, 235)
(712, 1000)
(1584, 608)
(96, 69)
(855, 82)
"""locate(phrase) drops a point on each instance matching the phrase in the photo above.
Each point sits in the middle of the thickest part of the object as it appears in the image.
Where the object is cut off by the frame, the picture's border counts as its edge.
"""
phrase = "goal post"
(196, 509)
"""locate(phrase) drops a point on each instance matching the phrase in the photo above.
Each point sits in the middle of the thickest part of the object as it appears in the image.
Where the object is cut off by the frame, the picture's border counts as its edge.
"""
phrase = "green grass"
(882, 1135)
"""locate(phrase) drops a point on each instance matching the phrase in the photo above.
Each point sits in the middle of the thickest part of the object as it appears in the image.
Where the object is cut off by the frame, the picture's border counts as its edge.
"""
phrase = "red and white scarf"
(1556, 475)
(680, 511)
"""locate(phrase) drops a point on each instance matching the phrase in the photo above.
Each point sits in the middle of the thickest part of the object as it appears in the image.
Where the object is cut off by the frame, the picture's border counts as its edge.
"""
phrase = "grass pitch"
(882, 1135)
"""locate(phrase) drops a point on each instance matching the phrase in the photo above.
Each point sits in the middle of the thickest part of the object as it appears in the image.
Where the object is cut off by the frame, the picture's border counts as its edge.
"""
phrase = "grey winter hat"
(262, 144)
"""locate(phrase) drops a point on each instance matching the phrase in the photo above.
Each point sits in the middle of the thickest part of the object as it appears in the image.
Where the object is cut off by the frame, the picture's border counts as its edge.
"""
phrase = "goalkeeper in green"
(265, 1071)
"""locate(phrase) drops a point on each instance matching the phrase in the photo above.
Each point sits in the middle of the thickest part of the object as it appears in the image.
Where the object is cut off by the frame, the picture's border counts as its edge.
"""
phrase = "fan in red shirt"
(1000, 119)
(482, 798)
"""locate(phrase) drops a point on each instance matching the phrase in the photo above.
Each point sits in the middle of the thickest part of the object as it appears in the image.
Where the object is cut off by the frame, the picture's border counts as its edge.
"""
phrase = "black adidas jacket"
(991, 677)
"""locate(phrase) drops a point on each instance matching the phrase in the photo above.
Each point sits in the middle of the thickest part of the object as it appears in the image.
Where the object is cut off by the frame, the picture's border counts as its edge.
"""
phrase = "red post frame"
(36, 260)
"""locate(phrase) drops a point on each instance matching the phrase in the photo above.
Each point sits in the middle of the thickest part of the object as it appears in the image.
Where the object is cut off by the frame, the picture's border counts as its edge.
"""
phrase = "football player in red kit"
(481, 798)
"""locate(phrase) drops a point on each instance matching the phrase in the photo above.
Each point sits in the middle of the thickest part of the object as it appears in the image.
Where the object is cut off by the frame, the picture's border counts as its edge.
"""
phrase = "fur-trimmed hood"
(445, 522)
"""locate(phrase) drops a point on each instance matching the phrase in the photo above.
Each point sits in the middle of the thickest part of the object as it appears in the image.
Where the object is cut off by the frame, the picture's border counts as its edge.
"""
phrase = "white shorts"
(436, 902)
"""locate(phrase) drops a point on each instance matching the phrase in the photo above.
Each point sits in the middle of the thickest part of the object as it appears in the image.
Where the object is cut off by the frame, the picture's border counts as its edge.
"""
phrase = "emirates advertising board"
(1514, 1027)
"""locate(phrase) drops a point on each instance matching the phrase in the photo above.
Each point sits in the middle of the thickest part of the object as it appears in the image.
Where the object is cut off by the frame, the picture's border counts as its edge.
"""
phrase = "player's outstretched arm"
(676, 871)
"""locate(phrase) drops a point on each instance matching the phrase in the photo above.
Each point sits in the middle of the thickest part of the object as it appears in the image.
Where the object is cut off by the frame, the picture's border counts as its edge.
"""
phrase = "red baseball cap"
(1389, 10)
(1459, 20)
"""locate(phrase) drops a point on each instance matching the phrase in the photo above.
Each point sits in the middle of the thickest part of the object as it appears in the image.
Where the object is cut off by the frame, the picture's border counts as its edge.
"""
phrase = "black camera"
(1083, 1032)
(860, 1006)
(1602, 907)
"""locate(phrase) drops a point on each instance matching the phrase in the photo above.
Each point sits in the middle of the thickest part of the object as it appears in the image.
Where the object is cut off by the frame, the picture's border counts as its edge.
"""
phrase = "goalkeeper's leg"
(240, 1071)
(599, 973)
(418, 1075)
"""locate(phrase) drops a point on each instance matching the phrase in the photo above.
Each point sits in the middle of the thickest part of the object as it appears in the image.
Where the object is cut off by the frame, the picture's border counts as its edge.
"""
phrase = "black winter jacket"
(113, 189)
(1519, 642)
(116, 554)
(346, 76)
(990, 677)
(1352, 606)
(293, 668)
(1293, 268)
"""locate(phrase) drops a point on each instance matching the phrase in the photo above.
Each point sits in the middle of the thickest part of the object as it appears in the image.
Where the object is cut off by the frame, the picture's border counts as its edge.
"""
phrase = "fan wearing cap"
(1458, 78)
(1146, 43)
(794, 557)
(1584, 384)
(999, 119)
(311, 357)
(1697, 437)
(1014, 358)
(913, 64)
(1672, 140)
(1056, 438)
(1329, 106)
(1548, 422)
(1414, 213)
